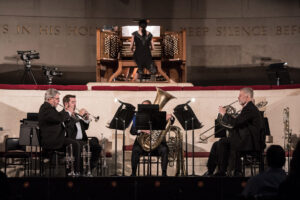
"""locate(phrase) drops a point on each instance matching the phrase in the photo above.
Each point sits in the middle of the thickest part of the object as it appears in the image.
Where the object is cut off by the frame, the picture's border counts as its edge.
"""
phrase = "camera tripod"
(28, 72)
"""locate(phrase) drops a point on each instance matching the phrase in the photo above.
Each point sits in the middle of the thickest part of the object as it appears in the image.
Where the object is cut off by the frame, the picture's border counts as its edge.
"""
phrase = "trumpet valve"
(97, 118)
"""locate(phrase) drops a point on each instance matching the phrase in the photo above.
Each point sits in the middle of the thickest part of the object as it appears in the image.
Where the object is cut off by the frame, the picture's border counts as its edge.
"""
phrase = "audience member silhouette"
(4, 187)
(289, 188)
(265, 185)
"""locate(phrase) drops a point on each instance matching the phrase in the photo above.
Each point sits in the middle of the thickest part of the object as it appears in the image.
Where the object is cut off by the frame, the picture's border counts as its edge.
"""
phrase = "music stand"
(28, 135)
(124, 114)
(188, 121)
(150, 118)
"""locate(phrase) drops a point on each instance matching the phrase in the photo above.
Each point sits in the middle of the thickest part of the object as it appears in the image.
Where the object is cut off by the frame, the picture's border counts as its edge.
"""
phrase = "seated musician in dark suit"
(52, 127)
(77, 125)
(247, 133)
(162, 150)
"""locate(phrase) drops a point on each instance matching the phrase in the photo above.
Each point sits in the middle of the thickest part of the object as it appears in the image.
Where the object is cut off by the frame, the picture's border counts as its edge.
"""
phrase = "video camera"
(28, 55)
(52, 71)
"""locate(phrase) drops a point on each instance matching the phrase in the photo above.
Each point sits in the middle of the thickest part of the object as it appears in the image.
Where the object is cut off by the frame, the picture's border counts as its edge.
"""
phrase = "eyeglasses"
(55, 98)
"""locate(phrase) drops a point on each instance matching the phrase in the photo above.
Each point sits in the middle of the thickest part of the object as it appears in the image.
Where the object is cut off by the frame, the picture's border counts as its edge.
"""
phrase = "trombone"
(96, 118)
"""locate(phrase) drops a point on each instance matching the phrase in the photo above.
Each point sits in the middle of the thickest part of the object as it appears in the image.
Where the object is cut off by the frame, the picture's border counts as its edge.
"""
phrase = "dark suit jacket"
(247, 133)
(52, 132)
(71, 127)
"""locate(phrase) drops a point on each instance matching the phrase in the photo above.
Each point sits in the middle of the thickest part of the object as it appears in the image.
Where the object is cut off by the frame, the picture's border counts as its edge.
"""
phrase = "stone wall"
(219, 33)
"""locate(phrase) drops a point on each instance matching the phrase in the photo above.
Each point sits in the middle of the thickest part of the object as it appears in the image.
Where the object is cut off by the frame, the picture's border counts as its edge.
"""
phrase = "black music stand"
(188, 121)
(28, 135)
(124, 114)
(150, 118)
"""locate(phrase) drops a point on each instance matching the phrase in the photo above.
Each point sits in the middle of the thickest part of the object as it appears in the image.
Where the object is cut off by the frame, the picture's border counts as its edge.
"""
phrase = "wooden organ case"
(113, 54)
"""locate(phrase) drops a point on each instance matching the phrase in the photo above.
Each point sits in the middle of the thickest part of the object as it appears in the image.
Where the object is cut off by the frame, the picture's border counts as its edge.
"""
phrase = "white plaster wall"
(14, 105)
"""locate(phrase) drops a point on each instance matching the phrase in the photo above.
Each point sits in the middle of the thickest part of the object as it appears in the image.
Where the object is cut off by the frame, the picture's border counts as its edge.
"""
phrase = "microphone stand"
(116, 132)
(30, 142)
(186, 150)
(149, 154)
(193, 150)
(123, 161)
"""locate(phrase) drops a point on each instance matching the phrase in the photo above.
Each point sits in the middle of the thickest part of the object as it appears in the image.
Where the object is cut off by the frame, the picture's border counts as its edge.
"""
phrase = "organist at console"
(115, 58)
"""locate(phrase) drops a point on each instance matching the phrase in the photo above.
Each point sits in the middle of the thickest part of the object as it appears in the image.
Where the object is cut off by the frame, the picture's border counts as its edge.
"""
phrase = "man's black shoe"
(207, 174)
(220, 174)
(132, 175)
(238, 174)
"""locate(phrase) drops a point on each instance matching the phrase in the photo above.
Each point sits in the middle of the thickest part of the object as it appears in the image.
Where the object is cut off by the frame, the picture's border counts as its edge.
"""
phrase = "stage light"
(278, 73)
(191, 100)
(278, 66)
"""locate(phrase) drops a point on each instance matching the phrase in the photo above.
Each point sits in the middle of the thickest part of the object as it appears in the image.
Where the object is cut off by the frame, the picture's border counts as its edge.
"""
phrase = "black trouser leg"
(163, 152)
(95, 150)
(135, 156)
(238, 163)
(213, 157)
(223, 154)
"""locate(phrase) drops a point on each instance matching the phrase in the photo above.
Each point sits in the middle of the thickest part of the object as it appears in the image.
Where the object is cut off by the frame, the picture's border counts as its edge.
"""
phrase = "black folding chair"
(16, 155)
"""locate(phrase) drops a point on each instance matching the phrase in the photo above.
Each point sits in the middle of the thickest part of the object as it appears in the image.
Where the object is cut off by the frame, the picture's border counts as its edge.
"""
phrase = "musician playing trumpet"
(52, 127)
(247, 134)
(77, 125)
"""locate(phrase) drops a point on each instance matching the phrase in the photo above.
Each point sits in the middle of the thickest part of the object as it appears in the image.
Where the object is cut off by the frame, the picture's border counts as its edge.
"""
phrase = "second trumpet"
(96, 118)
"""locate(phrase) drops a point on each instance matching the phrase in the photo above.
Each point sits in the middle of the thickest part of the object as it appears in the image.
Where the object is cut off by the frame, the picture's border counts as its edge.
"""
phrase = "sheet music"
(128, 30)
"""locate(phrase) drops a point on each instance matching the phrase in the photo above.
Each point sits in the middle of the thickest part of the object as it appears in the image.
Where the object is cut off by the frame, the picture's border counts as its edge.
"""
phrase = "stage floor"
(193, 187)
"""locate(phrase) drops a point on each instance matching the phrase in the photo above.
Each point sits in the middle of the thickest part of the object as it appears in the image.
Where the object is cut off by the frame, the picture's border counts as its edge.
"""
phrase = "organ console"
(113, 53)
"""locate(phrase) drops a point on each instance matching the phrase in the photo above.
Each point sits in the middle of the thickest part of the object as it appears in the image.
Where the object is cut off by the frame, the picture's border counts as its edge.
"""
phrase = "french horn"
(232, 112)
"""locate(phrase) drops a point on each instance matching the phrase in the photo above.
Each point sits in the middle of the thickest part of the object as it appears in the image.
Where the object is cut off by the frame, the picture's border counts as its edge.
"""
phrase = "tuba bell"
(162, 98)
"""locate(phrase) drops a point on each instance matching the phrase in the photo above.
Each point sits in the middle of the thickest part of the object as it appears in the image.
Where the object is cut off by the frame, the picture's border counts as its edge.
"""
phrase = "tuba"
(176, 153)
(162, 98)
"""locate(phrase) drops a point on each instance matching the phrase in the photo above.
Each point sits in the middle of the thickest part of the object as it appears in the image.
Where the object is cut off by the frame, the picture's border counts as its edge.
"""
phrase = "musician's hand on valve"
(84, 113)
(146, 131)
(168, 116)
(222, 110)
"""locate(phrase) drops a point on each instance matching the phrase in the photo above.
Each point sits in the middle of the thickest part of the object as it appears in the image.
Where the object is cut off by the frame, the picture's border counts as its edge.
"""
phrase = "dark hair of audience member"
(295, 162)
(275, 156)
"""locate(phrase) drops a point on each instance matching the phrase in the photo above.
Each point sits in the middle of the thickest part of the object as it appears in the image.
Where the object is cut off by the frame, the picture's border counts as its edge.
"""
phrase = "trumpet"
(96, 118)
